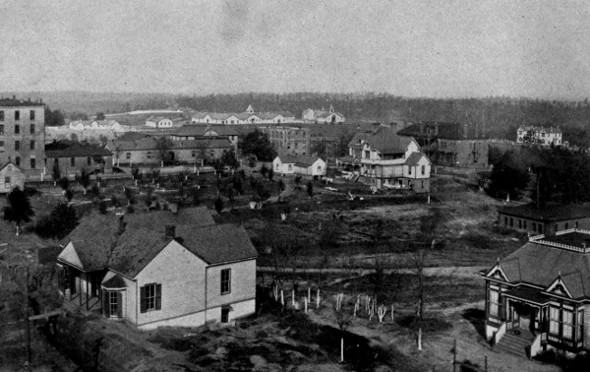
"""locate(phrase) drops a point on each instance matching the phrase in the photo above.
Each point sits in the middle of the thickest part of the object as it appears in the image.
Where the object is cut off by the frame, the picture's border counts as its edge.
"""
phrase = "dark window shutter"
(105, 303)
(158, 296)
(61, 279)
(119, 305)
(142, 300)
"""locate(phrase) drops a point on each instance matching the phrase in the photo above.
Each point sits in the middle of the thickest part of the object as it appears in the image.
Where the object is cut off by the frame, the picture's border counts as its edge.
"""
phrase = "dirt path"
(456, 271)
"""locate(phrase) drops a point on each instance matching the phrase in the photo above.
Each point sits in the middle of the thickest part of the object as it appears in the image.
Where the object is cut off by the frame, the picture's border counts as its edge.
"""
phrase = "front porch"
(80, 290)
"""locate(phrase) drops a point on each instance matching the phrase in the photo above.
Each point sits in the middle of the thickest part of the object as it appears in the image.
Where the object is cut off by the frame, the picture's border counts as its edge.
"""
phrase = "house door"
(513, 317)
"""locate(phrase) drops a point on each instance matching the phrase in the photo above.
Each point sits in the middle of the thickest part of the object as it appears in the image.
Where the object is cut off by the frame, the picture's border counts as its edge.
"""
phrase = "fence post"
(455, 355)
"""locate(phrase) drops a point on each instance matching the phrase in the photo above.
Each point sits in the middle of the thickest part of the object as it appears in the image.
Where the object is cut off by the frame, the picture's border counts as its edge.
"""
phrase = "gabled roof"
(539, 129)
(96, 246)
(540, 265)
(93, 239)
(69, 149)
(382, 139)
(549, 213)
(194, 130)
(300, 160)
(114, 283)
(415, 158)
(217, 244)
(10, 163)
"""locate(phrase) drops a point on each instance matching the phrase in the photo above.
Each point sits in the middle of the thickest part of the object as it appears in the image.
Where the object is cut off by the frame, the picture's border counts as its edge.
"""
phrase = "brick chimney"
(170, 232)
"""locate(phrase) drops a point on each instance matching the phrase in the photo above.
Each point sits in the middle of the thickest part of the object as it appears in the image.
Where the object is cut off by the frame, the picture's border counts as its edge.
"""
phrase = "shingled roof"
(548, 213)
(539, 264)
(69, 149)
(97, 246)
(382, 139)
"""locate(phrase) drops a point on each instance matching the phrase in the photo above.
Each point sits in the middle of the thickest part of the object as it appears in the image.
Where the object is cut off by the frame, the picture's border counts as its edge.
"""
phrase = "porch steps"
(513, 344)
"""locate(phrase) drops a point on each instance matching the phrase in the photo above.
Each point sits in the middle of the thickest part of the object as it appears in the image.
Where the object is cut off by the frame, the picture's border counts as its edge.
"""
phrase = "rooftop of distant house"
(13, 102)
(533, 128)
(382, 139)
(71, 149)
(550, 212)
(300, 160)
(442, 130)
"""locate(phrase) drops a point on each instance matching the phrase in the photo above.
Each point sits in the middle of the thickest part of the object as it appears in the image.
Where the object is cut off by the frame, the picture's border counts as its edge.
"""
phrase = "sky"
(450, 48)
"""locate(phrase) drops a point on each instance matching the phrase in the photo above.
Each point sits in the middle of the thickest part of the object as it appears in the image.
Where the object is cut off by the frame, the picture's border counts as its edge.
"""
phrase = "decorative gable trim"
(558, 288)
(497, 273)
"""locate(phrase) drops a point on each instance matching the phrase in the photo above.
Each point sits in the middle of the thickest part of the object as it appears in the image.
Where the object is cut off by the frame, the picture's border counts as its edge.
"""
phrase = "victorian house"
(539, 296)
(383, 159)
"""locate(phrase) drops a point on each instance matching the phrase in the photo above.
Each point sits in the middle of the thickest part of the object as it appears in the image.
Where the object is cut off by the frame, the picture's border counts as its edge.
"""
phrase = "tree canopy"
(59, 223)
(258, 144)
(18, 209)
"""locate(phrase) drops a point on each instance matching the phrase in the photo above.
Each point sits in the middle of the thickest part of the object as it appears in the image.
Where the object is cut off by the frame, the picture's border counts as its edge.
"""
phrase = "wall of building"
(243, 283)
(462, 153)
(532, 225)
(290, 141)
(69, 166)
(182, 276)
(238, 310)
(22, 157)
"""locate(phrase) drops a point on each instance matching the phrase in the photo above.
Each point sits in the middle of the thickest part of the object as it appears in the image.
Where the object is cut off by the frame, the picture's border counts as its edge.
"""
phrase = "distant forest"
(495, 117)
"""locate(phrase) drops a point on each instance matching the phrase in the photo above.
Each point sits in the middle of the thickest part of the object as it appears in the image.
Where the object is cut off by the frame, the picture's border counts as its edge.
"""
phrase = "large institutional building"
(247, 117)
(22, 133)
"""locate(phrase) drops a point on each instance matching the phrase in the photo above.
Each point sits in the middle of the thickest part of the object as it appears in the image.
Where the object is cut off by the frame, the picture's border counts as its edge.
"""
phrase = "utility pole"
(28, 326)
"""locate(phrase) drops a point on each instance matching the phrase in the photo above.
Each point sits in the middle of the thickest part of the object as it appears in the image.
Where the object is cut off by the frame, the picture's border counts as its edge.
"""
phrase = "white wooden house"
(11, 176)
(155, 273)
(301, 165)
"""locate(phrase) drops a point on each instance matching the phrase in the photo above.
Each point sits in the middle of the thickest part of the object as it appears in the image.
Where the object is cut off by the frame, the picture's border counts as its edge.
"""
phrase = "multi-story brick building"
(450, 144)
(22, 134)
(290, 140)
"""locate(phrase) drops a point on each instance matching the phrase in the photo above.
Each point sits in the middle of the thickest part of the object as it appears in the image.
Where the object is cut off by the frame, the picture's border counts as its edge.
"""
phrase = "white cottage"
(11, 176)
(160, 275)
(301, 165)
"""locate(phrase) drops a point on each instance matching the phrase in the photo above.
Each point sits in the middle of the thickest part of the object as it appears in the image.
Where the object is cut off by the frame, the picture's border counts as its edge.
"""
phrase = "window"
(494, 303)
(151, 297)
(225, 314)
(88, 161)
(1, 128)
(32, 144)
(410, 170)
(567, 225)
(554, 320)
(73, 161)
(577, 224)
(113, 303)
(534, 226)
(225, 281)
(319, 168)
(32, 114)
(128, 155)
(16, 129)
(511, 222)
(423, 170)
(520, 224)
(33, 163)
(540, 229)
(1, 115)
(32, 128)
(149, 155)
(17, 145)
(193, 154)
(17, 115)
(1, 146)
(567, 324)
(7, 181)
(524, 224)
(290, 167)
(17, 161)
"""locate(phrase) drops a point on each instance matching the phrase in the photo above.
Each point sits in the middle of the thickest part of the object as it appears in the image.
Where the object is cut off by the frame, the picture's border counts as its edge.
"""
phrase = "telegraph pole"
(28, 326)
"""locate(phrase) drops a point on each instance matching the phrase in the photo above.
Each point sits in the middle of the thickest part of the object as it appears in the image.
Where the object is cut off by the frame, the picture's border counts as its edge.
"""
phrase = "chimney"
(170, 231)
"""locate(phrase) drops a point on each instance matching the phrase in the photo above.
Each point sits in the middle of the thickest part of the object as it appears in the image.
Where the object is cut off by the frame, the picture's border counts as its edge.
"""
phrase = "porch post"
(80, 288)
(86, 291)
